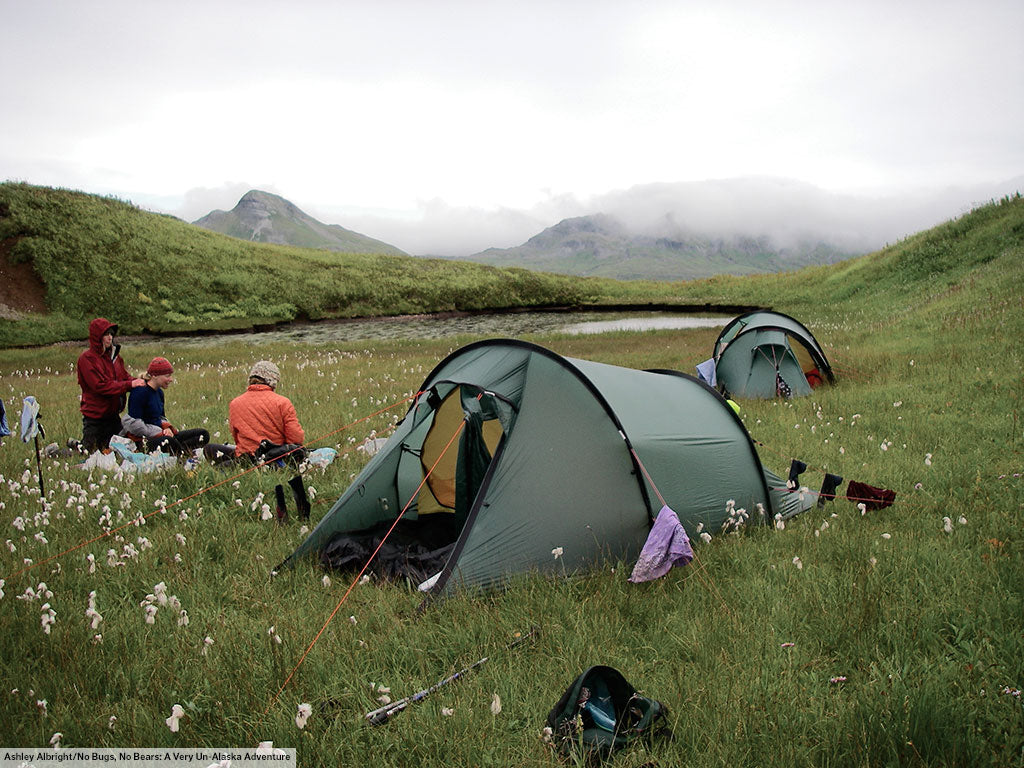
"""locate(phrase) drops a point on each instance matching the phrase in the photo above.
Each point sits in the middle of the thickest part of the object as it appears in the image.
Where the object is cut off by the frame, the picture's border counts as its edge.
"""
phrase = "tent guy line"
(359, 575)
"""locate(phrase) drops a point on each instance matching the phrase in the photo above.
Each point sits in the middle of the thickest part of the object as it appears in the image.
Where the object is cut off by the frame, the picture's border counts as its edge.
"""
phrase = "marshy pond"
(507, 325)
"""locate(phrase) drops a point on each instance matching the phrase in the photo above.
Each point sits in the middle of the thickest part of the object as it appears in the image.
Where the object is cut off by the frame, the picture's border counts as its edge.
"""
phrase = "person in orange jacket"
(259, 416)
(105, 383)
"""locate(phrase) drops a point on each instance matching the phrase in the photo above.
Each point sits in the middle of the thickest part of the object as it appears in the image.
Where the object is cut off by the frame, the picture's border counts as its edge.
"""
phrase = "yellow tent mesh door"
(803, 357)
(438, 493)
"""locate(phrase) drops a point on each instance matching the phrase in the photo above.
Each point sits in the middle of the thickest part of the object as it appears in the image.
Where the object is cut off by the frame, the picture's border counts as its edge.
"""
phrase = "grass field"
(890, 638)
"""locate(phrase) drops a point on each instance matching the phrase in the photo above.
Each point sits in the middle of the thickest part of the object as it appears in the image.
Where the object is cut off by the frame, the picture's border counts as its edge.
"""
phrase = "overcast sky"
(449, 126)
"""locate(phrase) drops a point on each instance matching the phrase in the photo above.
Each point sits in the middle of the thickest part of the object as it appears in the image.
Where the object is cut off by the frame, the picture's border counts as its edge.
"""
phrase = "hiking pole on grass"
(383, 714)
(31, 428)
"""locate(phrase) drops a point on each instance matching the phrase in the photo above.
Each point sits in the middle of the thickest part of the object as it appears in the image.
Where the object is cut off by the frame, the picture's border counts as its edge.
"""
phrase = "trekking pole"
(39, 470)
(31, 427)
(381, 715)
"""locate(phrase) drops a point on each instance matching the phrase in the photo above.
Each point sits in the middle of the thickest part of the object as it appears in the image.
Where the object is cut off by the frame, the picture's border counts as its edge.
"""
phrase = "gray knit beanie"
(266, 371)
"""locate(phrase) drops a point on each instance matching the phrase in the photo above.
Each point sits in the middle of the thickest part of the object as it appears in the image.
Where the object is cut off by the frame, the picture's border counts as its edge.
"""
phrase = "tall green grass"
(842, 639)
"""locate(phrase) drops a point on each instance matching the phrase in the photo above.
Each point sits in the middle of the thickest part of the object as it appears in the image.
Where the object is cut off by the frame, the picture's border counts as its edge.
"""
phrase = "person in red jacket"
(105, 383)
(260, 415)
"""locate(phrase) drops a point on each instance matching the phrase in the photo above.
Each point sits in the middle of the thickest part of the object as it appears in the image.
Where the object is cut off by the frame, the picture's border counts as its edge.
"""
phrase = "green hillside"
(92, 256)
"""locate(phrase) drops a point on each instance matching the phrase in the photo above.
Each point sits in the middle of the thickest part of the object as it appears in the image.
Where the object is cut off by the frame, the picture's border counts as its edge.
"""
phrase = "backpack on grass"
(601, 713)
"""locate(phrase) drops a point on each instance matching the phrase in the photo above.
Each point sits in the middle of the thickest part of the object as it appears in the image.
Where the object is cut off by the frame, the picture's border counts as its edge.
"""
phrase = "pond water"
(507, 325)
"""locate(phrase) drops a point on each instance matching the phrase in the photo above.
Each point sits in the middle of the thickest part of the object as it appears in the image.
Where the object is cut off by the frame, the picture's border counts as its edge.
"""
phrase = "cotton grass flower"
(207, 642)
(303, 714)
(176, 714)
(947, 525)
(92, 614)
(798, 563)
(447, 711)
(326, 581)
(48, 617)
(272, 632)
(557, 552)
(705, 537)
(55, 740)
(837, 679)
(495, 705)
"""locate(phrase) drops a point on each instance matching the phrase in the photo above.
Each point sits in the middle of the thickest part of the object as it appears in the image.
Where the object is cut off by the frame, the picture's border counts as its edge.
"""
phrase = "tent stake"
(383, 714)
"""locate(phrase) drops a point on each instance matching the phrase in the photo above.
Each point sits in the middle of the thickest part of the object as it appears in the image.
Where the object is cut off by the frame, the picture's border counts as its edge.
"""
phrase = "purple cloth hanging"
(667, 545)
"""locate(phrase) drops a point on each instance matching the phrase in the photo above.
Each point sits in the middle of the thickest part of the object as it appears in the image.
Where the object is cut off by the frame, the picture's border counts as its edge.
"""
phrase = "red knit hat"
(159, 366)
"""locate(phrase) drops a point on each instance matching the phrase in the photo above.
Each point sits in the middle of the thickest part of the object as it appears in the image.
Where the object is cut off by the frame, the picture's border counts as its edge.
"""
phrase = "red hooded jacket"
(102, 377)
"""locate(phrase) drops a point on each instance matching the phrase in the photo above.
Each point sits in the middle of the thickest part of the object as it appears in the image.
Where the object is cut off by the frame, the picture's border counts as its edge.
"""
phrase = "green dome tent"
(555, 453)
(767, 354)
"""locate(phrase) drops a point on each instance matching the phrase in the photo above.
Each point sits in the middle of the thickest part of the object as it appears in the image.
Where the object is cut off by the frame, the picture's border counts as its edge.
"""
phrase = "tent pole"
(381, 715)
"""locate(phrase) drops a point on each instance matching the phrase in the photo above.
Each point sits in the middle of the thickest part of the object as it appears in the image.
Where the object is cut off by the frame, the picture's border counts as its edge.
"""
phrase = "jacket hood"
(97, 328)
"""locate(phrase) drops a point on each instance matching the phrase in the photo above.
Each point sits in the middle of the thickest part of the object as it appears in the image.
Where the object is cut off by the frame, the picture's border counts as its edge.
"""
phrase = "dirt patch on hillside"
(21, 289)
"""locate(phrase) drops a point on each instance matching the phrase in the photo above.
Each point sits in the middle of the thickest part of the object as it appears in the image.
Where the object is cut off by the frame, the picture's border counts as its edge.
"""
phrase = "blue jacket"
(145, 416)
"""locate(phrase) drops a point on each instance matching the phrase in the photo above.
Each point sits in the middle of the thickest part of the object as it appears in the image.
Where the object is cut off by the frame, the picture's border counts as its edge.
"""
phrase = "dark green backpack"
(601, 713)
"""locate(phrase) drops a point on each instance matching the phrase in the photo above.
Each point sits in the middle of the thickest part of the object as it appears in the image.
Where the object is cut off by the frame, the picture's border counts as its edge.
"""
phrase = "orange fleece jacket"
(261, 414)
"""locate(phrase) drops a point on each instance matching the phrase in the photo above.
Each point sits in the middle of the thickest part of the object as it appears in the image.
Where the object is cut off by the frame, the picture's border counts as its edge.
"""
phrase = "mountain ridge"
(600, 245)
(267, 218)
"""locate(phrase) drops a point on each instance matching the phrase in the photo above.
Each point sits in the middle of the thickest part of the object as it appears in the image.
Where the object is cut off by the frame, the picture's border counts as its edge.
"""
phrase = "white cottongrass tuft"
(176, 714)
(798, 563)
(947, 525)
(557, 552)
(495, 704)
(91, 613)
(326, 580)
(447, 711)
(48, 617)
(302, 715)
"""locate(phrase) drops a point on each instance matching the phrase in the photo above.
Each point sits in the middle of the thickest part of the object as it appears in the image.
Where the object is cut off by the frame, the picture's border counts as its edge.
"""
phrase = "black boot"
(302, 504)
(282, 510)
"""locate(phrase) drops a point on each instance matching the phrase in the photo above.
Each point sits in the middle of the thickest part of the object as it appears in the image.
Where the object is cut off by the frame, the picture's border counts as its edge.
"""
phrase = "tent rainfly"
(559, 463)
(767, 354)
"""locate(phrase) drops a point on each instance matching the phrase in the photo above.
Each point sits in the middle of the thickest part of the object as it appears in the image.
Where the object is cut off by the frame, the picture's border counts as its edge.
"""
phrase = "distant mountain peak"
(600, 245)
(267, 218)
